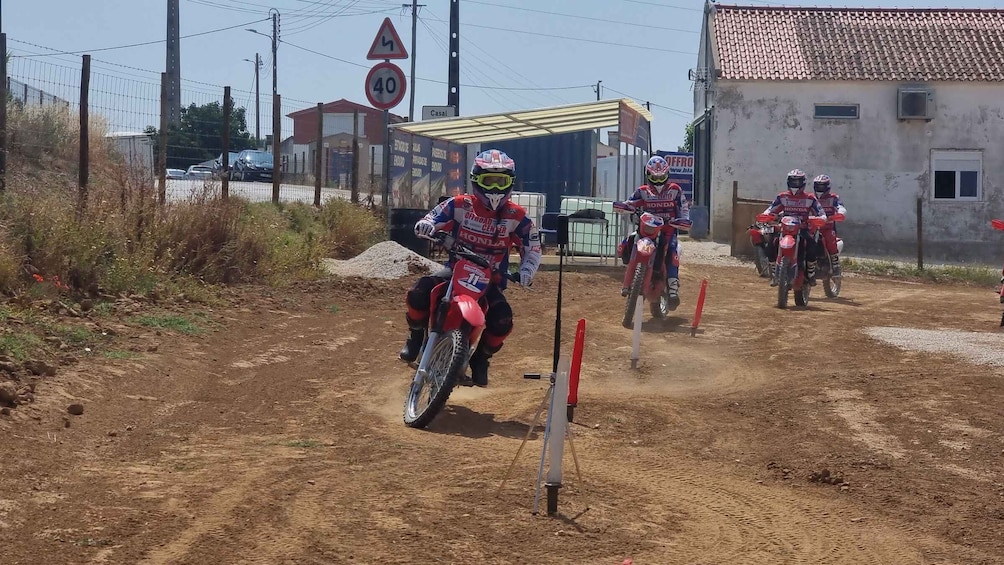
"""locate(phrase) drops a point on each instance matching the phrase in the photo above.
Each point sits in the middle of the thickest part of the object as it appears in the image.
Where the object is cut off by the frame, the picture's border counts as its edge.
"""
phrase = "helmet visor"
(658, 180)
(821, 187)
(796, 182)
(493, 181)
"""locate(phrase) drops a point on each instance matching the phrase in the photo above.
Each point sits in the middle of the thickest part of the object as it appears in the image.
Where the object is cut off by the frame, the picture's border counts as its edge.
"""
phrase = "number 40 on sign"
(385, 85)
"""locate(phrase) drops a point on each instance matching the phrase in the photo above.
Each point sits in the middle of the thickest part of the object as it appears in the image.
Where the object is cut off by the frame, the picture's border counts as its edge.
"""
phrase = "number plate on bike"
(471, 277)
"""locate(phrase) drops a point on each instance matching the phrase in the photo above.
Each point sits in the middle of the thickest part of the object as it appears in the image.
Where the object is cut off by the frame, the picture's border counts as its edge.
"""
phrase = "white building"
(895, 105)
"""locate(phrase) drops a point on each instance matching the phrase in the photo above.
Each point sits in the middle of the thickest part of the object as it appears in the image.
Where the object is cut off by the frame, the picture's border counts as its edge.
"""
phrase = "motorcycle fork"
(435, 330)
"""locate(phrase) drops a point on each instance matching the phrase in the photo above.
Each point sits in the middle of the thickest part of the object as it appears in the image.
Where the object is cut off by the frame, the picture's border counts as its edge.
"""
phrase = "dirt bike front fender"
(787, 243)
(469, 311)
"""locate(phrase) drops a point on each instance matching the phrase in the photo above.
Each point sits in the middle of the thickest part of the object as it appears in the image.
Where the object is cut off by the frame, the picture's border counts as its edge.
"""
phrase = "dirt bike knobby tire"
(459, 356)
(783, 282)
(633, 295)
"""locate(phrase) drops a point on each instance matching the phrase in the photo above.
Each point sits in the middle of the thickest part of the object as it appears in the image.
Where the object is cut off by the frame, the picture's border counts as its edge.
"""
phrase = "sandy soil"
(277, 437)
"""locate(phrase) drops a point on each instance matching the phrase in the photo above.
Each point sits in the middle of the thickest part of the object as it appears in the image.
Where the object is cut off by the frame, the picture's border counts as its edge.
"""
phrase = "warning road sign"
(387, 44)
(385, 86)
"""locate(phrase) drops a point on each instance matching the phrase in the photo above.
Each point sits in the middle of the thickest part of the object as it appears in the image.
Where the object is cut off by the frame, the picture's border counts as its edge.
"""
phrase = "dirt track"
(279, 439)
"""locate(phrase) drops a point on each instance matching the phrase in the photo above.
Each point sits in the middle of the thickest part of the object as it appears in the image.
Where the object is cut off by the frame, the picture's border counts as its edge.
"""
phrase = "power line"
(665, 6)
(360, 65)
(88, 51)
(501, 62)
(684, 112)
(582, 39)
(604, 20)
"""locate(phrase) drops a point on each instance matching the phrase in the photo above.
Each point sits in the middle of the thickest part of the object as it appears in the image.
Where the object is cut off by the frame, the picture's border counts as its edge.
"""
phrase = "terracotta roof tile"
(765, 43)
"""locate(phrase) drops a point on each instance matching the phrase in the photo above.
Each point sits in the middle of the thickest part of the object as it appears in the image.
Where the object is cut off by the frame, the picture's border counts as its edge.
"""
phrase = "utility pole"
(173, 67)
(414, 32)
(276, 110)
(257, 100)
(453, 76)
(597, 89)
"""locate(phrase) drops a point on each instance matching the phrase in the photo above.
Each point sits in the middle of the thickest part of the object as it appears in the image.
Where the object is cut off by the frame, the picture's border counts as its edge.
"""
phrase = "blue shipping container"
(555, 165)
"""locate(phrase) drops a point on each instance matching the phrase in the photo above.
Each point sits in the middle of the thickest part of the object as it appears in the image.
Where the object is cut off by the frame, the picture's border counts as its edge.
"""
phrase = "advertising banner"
(681, 170)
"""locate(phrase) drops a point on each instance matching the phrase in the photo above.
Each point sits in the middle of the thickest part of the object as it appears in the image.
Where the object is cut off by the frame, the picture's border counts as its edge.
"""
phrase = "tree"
(199, 136)
(688, 140)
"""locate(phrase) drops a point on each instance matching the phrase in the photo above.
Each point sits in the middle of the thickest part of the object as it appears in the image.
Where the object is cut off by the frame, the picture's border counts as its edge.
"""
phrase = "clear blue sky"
(641, 48)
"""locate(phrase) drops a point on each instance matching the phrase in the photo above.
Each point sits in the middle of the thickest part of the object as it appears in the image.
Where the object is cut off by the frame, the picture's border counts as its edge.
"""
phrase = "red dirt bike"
(999, 225)
(456, 322)
(789, 270)
(831, 283)
(640, 278)
(760, 234)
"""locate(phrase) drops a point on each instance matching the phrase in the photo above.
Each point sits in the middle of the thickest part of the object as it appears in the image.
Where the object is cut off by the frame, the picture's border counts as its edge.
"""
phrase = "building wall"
(879, 164)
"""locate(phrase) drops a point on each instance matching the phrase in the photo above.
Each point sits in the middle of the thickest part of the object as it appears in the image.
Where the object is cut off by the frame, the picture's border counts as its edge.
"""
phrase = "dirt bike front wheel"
(428, 394)
(761, 261)
(783, 282)
(634, 295)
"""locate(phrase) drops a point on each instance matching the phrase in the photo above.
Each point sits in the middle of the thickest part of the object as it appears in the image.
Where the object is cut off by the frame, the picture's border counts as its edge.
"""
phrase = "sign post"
(385, 88)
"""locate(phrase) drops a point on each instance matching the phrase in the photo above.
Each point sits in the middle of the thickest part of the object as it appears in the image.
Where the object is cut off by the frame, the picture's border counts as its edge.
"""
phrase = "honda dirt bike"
(640, 278)
(760, 235)
(824, 261)
(456, 322)
(790, 269)
(999, 225)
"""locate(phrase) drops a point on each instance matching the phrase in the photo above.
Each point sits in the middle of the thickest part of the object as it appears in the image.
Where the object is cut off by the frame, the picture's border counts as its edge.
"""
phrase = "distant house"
(895, 105)
(298, 151)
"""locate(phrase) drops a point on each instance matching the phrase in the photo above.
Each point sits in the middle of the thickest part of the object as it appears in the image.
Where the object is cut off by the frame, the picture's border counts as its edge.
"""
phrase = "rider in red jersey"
(795, 202)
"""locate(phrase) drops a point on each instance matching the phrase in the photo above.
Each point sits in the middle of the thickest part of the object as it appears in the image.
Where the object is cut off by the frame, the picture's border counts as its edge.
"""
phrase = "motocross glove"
(424, 228)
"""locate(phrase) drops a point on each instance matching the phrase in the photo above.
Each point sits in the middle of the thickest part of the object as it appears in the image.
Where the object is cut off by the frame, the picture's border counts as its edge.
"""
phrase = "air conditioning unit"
(915, 103)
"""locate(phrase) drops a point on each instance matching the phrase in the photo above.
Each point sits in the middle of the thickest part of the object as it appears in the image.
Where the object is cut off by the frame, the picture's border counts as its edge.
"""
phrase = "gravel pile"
(975, 347)
(709, 253)
(385, 260)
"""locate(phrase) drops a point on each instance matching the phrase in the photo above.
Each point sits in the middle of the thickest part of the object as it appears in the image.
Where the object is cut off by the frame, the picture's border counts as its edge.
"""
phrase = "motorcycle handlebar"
(460, 249)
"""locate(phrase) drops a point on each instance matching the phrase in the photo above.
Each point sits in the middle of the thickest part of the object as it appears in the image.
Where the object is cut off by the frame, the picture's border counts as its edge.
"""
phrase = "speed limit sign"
(385, 85)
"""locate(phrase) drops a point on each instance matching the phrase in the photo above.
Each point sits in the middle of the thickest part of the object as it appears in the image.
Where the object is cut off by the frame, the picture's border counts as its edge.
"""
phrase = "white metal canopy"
(527, 123)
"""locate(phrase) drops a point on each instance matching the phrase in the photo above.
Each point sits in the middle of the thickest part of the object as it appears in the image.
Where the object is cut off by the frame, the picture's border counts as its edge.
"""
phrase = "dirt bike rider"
(800, 204)
(488, 223)
(668, 202)
(831, 204)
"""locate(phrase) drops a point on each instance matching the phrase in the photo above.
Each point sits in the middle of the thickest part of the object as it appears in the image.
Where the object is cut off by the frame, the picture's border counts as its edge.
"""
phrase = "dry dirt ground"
(276, 438)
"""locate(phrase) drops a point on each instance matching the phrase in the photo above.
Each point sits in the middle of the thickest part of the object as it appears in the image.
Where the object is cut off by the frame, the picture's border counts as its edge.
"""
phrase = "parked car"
(252, 165)
(176, 173)
(199, 172)
(218, 164)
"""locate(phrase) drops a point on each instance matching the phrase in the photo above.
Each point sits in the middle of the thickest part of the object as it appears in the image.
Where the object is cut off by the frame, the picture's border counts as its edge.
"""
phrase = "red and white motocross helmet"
(492, 178)
(657, 172)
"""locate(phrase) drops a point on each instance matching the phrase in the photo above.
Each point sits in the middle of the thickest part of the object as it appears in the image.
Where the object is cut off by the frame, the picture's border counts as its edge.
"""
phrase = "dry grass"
(122, 241)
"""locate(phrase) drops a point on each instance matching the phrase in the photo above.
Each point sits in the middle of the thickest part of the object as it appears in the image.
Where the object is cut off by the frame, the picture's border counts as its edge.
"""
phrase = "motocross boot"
(673, 288)
(412, 347)
(810, 273)
(479, 364)
(835, 265)
(773, 273)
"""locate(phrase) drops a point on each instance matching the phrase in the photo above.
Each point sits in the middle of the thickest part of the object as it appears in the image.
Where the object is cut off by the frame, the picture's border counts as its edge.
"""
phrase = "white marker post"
(557, 417)
(636, 334)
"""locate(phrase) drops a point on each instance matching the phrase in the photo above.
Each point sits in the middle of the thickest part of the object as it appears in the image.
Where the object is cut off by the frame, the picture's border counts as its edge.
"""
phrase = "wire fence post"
(920, 234)
(355, 157)
(317, 154)
(3, 111)
(162, 146)
(82, 173)
(276, 135)
(225, 155)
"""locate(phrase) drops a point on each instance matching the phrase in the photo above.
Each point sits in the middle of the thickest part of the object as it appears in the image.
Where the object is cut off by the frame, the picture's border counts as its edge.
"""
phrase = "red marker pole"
(700, 308)
(573, 377)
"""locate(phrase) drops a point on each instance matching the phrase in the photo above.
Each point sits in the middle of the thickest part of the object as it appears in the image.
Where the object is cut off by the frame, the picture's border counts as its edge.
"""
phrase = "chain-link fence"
(128, 135)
